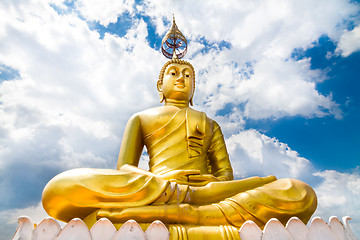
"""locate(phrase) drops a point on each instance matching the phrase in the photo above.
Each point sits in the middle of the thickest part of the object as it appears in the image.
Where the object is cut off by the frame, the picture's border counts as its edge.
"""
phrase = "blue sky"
(331, 140)
(280, 77)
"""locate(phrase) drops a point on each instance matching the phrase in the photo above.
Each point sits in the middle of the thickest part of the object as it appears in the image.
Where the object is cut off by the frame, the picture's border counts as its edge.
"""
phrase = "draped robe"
(188, 140)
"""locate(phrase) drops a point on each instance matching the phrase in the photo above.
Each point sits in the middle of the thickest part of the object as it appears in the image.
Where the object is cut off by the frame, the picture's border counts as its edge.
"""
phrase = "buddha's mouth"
(180, 84)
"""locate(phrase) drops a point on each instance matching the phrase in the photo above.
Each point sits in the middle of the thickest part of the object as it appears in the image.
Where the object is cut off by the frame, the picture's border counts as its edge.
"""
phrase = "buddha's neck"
(177, 103)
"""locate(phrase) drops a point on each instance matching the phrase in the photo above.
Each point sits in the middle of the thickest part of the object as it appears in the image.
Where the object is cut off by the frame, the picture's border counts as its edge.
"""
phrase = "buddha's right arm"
(132, 143)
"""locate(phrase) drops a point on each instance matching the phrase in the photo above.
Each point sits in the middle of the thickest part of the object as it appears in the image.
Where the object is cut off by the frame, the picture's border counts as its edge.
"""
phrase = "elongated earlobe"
(162, 98)
(191, 101)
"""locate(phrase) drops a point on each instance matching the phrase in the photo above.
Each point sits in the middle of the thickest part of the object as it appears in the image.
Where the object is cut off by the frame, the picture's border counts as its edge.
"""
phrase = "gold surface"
(190, 181)
(189, 185)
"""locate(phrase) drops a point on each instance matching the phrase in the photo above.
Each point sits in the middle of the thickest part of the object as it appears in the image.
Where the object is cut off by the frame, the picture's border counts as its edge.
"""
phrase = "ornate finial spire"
(174, 44)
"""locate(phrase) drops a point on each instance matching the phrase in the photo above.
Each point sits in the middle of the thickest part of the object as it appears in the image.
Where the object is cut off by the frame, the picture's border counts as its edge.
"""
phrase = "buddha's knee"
(63, 187)
(64, 195)
(295, 194)
(295, 188)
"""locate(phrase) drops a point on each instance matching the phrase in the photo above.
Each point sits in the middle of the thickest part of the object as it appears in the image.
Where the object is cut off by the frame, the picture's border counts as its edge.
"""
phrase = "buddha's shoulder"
(155, 114)
(156, 111)
(165, 112)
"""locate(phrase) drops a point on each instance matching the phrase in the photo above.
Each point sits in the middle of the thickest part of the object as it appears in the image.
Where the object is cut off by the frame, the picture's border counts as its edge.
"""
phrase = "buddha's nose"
(181, 78)
(180, 83)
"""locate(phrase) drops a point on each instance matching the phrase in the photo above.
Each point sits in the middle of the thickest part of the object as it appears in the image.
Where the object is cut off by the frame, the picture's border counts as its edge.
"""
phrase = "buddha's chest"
(184, 135)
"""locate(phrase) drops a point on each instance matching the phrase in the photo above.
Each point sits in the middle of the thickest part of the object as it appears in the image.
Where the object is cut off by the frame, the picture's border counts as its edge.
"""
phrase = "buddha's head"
(176, 82)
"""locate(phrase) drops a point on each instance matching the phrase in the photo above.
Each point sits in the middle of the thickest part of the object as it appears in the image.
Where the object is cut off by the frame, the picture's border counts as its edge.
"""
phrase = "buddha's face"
(177, 82)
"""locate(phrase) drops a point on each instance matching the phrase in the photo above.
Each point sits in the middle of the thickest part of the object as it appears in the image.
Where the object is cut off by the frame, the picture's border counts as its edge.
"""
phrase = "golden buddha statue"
(189, 184)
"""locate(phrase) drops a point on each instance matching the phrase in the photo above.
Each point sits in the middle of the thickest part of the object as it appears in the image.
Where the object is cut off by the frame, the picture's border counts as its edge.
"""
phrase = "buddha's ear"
(159, 88)
(191, 101)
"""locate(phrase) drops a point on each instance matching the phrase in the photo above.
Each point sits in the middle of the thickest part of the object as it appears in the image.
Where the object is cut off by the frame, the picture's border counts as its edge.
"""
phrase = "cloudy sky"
(280, 77)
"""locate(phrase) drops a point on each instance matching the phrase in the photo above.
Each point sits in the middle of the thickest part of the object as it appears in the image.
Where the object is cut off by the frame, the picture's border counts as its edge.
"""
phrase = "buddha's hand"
(180, 176)
(203, 178)
(192, 177)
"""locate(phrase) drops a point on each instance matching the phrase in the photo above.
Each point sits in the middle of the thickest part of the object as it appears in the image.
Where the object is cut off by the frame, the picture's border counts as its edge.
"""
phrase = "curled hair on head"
(179, 61)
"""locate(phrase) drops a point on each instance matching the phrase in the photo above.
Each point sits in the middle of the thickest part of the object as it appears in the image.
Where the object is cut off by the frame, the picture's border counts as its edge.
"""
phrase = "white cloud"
(271, 27)
(286, 88)
(105, 12)
(268, 88)
(338, 194)
(73, 98)
(253, 153)
(36, 213)
(349, 42)
(263, 35)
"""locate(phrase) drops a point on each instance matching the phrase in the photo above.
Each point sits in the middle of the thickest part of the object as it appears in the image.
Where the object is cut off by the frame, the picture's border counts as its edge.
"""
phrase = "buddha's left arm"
(218, 156)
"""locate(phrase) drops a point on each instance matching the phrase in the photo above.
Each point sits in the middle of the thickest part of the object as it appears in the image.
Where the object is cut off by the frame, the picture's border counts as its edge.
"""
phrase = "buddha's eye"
(173, 73)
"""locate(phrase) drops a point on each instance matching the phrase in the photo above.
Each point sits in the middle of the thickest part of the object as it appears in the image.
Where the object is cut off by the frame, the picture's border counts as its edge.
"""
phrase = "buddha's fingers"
(203, 178)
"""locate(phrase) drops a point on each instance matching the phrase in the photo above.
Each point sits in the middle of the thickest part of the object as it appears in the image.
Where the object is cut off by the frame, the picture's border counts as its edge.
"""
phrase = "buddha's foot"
(170, 214)
(179, 213)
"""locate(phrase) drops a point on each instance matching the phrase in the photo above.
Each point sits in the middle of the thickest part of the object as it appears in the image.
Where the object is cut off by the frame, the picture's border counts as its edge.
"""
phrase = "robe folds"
(189, 140)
